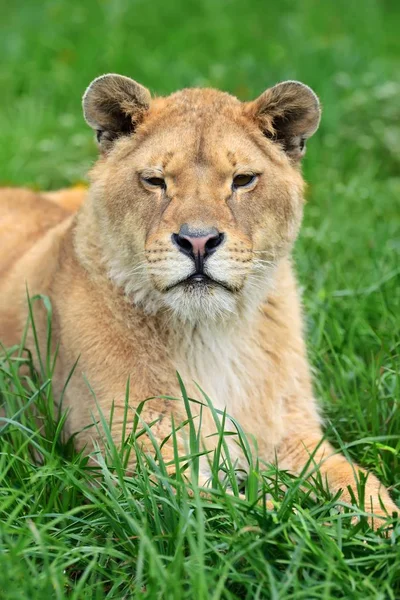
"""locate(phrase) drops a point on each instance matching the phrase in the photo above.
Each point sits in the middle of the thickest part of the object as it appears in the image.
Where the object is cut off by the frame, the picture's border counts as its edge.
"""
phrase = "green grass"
(69, 532)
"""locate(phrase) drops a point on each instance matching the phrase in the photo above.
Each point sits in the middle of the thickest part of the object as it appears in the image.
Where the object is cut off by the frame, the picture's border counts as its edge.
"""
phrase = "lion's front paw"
(380, 516)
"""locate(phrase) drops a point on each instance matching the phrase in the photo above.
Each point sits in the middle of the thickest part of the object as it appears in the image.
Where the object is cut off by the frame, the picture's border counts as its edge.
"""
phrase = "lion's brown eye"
(243, 180)
(156, 182)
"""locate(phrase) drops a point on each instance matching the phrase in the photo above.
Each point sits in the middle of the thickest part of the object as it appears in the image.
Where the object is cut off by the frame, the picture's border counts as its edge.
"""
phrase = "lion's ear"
(287, 113)
(113, 105)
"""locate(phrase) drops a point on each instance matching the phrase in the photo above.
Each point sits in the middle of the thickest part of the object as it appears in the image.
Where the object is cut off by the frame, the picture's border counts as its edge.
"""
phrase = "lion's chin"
(199, 302)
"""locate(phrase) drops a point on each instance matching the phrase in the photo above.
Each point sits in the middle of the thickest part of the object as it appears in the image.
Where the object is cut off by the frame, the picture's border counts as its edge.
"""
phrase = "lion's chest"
(238, 376)
(219, 365)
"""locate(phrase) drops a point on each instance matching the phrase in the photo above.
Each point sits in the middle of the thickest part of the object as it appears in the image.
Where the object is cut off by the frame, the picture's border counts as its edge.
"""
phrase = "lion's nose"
(197, 243)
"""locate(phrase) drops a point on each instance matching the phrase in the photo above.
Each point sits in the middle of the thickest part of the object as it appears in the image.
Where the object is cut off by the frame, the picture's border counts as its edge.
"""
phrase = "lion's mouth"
(199, 278)
(199, 281)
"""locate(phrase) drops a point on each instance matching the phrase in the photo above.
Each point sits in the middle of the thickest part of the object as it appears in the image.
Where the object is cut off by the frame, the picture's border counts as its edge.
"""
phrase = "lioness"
(178, 259)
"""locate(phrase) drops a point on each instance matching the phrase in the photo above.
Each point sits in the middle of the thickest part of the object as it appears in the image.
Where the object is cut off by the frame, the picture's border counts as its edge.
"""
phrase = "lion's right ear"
(113, 105)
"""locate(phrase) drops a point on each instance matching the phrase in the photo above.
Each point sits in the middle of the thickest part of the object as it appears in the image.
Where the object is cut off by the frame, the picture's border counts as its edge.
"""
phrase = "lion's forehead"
(221, 144)
(195, 117)
(199, 128)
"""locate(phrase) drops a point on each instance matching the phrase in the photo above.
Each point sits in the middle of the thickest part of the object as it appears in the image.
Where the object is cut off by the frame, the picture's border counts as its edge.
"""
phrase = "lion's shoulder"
(25, 216)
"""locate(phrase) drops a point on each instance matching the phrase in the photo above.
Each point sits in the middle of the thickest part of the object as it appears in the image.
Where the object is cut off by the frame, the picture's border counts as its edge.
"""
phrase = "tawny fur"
(108, 268)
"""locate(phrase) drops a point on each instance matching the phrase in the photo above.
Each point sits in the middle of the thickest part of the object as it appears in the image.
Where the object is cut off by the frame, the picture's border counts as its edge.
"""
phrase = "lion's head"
(197, 196)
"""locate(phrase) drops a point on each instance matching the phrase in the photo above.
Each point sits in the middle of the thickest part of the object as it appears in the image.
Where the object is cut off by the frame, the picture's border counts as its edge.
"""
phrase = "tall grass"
(78, 528)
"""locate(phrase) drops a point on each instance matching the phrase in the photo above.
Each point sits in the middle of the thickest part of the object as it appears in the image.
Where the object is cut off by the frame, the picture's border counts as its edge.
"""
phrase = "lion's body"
(115, 342)
(121, 319)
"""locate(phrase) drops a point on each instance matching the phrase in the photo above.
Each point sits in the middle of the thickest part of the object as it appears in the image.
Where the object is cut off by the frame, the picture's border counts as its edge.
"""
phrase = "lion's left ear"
(287, 113)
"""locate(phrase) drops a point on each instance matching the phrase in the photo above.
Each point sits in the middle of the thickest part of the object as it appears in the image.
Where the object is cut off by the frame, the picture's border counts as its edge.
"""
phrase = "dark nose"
(197, 243)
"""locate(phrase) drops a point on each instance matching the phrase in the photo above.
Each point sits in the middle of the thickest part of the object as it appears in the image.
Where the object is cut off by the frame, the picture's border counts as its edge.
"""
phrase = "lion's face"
(196, 206)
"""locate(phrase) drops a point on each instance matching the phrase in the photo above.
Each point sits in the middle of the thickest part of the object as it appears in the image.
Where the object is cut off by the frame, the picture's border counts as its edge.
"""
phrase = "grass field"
(68, 533)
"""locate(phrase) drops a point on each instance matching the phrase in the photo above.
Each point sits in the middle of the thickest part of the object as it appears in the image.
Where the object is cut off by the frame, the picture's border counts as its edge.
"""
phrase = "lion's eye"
(243, 180)
(155, 182)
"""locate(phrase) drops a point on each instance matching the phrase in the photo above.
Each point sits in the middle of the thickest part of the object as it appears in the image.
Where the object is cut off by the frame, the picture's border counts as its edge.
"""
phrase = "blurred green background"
(347, 50)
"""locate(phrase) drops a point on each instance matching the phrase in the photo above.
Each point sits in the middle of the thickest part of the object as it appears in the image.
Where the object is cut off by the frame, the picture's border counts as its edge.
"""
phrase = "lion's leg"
(298, 452)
